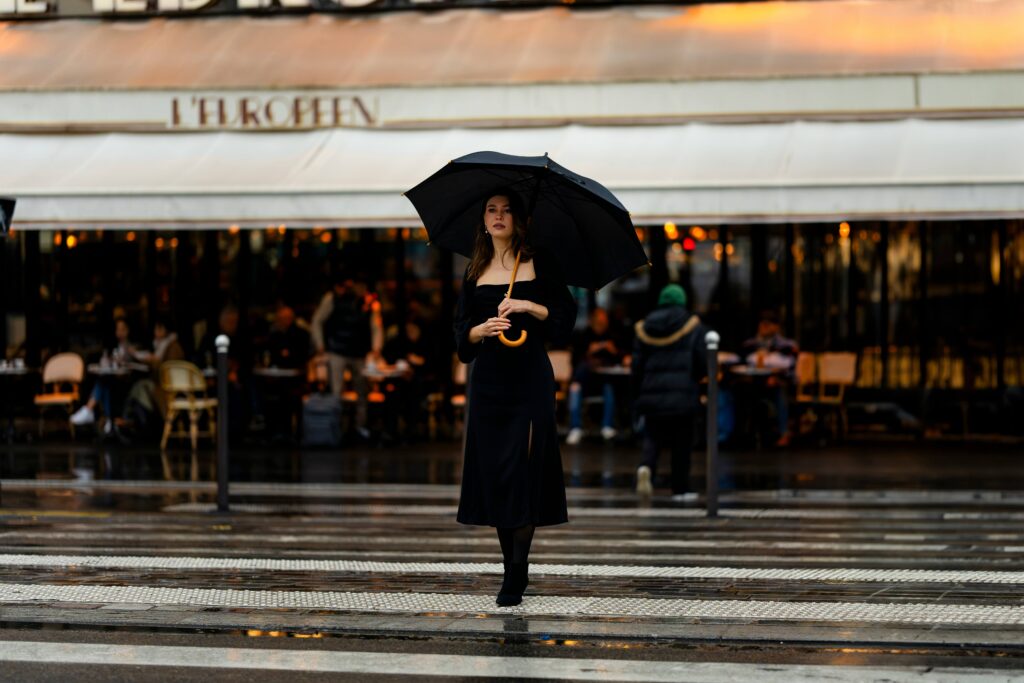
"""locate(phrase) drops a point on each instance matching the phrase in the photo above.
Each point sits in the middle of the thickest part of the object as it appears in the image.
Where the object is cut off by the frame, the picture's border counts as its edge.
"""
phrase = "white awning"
(799, 171)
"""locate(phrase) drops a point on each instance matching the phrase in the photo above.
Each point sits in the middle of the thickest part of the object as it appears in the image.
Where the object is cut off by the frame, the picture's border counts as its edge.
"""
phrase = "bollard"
(711, 339)
(222, 343)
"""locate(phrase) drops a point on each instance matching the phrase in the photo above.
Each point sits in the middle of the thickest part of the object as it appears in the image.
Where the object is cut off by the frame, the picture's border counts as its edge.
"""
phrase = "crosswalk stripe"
(669, 572)
(542, 542)
(910, 613)
(624, 512)
(470, 666)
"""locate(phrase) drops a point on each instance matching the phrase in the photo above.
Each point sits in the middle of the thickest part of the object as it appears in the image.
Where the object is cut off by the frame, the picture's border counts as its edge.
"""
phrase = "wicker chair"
(185, 387)
(62, 376)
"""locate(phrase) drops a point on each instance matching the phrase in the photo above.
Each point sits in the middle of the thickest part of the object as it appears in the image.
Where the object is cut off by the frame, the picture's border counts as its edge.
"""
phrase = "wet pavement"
(349, 565)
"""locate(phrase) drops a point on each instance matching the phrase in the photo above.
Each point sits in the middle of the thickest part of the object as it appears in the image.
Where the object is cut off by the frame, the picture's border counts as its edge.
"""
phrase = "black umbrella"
(6, 214)
(575, 218)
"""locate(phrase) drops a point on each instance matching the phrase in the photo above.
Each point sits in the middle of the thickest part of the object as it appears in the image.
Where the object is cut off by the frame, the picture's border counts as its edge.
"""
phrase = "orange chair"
(837, 372)
(62, 374)
(185, 387)
(806, 372)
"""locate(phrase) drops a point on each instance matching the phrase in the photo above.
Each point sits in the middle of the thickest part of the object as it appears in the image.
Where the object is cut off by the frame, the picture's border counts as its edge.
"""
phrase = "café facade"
(856, 166)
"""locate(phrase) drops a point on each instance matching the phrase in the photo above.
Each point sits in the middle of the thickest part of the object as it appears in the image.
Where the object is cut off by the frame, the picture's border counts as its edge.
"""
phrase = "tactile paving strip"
(135, 597)
(468, 568)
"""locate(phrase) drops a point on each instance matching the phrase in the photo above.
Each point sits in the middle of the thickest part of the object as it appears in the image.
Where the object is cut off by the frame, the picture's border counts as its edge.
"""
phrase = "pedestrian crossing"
(891, 576)
(507, 668)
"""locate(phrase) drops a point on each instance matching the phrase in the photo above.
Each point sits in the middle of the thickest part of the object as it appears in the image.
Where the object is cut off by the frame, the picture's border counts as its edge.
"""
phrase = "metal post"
(222, 343)
(711, 339)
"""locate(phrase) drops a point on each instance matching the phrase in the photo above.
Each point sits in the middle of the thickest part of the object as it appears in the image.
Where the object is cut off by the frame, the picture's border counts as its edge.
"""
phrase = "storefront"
(871, 189)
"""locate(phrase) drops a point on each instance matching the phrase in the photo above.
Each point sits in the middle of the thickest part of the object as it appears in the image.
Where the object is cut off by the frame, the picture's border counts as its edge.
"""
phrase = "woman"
(512, 473)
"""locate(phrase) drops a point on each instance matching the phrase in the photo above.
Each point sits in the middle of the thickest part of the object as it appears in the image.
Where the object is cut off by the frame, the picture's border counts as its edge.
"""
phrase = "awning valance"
(797, 171)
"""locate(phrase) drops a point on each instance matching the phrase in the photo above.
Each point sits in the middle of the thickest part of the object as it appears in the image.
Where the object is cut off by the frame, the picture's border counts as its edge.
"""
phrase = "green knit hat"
(672, 295)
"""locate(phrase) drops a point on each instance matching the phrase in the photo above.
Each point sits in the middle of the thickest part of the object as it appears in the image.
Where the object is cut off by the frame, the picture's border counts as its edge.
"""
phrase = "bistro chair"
(62, 376)
(837, 372)
(185, 387)
(806, 375)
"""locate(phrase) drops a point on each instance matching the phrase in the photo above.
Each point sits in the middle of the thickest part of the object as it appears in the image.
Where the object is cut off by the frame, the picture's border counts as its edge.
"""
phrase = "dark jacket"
(347, 329)
(669, 361)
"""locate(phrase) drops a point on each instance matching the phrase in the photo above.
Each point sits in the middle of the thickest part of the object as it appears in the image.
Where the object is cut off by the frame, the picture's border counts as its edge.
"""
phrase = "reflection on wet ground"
(910, 558)
(592, 464)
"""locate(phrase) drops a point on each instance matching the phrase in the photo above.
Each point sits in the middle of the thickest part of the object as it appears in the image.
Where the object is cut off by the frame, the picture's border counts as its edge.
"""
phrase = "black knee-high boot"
(517, 572)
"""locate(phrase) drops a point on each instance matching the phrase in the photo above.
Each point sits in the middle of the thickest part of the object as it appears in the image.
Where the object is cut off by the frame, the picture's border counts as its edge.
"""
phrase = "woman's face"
(498, 217)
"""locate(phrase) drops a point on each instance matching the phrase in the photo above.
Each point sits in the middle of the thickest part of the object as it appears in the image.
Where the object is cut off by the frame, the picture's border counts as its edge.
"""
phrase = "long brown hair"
(483, 249)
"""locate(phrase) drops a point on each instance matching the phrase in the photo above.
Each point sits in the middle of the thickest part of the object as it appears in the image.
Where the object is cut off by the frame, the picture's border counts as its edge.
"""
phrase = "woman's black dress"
(506, 481)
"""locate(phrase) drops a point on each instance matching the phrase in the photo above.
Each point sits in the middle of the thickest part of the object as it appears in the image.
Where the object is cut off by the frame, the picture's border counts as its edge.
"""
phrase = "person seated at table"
(594, 348)
(239, 365)
(279, 399)
(347, 326)
(146, 402)
(101, 396)
(413, 351)
(288, 345)
(770, 349)
(669, 362)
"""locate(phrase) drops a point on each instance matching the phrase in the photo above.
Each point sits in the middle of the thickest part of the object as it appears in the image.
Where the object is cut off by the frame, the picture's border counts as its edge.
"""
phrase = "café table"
(273, 372)
(116, 369)
(614, 371)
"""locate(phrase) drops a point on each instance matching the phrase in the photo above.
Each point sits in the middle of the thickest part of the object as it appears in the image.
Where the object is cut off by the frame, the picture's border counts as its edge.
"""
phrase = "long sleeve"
(466, 350)
(323, 312)
(637, 365)
(559, 301)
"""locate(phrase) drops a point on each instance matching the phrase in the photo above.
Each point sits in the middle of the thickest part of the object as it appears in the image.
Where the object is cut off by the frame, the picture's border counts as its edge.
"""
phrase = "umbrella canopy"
(6, 214)
(575, 218)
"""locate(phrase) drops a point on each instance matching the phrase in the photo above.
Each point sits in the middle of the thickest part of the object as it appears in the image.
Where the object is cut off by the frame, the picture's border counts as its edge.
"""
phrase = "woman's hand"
(509, 306)
(491, 327)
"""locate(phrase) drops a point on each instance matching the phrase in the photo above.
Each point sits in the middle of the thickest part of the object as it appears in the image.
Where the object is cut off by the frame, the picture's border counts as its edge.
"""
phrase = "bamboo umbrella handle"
(508, 295)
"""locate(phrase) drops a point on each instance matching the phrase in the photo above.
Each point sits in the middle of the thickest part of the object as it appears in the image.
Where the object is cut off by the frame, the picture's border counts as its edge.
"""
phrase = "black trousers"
(674, 432)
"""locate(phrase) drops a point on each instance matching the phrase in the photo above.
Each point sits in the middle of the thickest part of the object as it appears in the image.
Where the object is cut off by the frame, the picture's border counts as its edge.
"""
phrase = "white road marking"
(460, 541)
(391, 663)
(854, 513)
(546, 605)
(471, 568)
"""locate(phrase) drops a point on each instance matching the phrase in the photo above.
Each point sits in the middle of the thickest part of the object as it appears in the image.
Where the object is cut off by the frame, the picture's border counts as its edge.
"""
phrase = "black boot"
(516, 579)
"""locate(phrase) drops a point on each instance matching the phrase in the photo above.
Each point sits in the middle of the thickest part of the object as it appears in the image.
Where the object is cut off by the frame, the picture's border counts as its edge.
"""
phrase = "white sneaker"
(83, 416)
(608, 433)
(684, 497)
(108, 427)
(575, 436)
(643, 481)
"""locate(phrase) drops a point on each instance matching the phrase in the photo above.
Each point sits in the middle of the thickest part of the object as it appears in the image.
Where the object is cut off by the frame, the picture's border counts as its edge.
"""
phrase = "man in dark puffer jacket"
(669, 361)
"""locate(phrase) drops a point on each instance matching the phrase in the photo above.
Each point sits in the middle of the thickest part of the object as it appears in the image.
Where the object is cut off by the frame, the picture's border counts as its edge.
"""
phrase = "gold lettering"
(301, 106)
(222, 112)
(250, 112)
(204, 115)
(338, 111)
(369, 118)
(268, 112)
(318, 113)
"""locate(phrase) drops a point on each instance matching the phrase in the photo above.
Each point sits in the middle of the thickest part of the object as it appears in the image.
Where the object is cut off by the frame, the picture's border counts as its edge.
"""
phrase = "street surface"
(144, 580)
